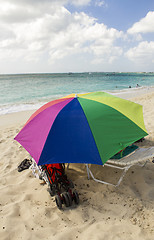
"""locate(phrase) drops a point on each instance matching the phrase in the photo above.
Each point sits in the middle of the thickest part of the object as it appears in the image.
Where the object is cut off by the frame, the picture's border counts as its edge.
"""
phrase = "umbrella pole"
(88, 171)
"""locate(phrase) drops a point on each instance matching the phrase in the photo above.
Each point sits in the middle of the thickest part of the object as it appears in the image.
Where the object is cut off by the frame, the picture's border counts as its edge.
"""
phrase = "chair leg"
(122, 176)
(125, 169)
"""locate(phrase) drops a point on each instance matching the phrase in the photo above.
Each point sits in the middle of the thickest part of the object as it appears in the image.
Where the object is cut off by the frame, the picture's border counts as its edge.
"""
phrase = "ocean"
(30, 91)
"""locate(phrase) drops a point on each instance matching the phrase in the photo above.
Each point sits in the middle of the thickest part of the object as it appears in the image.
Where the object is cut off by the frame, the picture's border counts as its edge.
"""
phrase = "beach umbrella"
(83, 128)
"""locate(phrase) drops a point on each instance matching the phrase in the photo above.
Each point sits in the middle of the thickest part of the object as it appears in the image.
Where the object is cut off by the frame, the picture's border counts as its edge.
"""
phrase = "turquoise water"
(30, 91)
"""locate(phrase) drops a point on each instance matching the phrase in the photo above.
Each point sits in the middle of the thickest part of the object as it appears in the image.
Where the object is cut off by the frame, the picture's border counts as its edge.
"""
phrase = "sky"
(56, 36)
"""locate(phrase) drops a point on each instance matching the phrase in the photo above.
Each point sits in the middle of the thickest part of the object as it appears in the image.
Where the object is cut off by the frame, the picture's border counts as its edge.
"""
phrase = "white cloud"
(32, 30)
(145, 25)
(6, 33)
(79, 2)
(142, 54)
(106, 54)
(89, 37)
(100, 3)
(25, 11)
(29, 32)
(7, 4)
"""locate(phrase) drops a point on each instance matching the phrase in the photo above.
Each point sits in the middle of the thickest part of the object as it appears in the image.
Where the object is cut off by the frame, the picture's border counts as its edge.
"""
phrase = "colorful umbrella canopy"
(88, 128)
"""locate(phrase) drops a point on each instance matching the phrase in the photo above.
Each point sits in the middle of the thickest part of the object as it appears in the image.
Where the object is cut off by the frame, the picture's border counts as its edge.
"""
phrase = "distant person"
(137, 85)
(129, 86)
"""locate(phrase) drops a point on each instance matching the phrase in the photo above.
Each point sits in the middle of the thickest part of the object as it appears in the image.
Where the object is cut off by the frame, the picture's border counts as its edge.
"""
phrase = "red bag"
(54, 170)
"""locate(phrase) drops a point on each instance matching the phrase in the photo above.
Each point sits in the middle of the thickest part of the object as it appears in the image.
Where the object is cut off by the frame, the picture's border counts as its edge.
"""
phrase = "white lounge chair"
(139, 156)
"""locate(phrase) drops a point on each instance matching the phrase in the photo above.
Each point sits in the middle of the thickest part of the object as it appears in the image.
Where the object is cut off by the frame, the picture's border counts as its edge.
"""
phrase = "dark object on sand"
(25, 164)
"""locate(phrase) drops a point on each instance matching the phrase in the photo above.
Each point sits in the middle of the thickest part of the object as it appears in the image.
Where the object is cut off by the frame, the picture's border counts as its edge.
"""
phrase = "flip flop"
(25, 164)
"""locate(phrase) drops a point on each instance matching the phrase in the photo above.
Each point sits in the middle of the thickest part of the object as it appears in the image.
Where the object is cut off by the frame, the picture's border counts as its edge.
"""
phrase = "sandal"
(25, 164)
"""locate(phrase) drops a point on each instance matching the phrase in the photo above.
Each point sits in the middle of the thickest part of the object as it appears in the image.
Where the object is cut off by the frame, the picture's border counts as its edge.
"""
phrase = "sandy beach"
(28, 212)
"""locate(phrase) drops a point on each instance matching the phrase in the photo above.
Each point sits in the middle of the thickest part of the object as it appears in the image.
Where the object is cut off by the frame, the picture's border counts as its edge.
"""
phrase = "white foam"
(125, 93)
(18, 108)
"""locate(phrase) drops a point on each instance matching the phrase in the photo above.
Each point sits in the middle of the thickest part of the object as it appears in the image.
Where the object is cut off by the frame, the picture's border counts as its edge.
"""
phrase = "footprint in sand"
(151, 194)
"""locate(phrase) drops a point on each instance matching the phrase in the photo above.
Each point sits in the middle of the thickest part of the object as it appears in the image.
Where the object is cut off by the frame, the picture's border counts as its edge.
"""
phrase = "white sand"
(28, 212)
